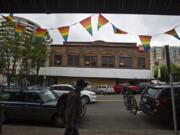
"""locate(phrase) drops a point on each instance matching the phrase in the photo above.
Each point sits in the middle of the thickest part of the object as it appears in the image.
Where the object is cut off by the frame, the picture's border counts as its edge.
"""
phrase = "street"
(109, 113)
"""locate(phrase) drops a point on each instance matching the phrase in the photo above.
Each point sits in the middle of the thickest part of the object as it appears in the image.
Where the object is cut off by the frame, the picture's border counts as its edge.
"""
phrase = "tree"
(39, 56)
(164, 73)
(19, 52)
(11, 47)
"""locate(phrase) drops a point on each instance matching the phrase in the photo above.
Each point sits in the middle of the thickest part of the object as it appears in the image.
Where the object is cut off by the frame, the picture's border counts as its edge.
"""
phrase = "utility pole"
(169, 67)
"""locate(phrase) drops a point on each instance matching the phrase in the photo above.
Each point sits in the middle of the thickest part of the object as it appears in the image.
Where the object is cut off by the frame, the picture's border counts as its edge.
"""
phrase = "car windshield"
(153, 92)
(47, 96)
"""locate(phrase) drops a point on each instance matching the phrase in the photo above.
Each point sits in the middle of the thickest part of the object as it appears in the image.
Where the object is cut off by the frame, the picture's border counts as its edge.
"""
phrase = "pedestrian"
(74, 109)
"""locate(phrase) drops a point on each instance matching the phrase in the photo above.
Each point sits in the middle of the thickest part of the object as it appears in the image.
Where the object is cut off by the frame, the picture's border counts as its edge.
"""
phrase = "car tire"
(57, 121)
(85, 99)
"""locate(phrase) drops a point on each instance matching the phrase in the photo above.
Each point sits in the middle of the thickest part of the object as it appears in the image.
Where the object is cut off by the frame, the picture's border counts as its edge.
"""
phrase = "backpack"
(61, 105)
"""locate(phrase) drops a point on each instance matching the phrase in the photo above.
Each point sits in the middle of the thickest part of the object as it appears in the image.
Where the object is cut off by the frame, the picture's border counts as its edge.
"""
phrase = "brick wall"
(99, 50)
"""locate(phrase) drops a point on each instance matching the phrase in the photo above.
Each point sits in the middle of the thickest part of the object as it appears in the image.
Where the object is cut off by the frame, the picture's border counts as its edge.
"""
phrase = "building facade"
(98, 62)
(158, 56)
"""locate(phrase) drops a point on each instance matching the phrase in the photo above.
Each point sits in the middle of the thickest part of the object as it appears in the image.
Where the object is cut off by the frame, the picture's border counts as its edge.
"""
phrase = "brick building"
(98, 62)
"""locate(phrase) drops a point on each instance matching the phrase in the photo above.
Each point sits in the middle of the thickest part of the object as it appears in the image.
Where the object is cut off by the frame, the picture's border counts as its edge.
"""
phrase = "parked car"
(88, 87)
(136, 89)
(118, 88)
(104, 89)
(143, 85)
(86, 95)
(156, 101)
(11, 86)
(31, 105)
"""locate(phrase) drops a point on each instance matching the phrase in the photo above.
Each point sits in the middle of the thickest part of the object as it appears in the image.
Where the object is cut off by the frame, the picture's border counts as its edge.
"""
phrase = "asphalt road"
(110, 114)
(107, 114)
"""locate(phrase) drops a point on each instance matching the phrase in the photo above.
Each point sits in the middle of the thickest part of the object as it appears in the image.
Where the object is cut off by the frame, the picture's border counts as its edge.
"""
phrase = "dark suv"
(156, 101)
(30, 105)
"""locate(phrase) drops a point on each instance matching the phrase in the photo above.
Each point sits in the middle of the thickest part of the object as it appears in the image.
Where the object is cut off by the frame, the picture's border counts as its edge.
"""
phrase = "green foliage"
(19, 53)
(164, 73)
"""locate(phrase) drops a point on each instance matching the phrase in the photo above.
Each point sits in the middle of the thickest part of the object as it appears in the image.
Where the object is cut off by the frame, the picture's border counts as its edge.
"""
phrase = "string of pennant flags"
(87, 24)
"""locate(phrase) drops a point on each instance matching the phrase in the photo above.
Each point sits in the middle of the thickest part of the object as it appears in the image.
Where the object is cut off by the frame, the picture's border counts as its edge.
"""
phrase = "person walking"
(74, 109)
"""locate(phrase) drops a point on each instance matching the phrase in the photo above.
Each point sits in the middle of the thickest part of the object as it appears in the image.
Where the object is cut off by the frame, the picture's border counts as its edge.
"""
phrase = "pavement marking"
(109, 100)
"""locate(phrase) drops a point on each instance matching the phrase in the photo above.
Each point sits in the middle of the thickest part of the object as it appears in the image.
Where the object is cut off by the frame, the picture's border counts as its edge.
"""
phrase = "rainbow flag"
(145, 40)
(86, 23)
(173, 33)
(118, 31)
(64, 31)
(19, 28)
(101, 21)
(40, 33)
(8, 18)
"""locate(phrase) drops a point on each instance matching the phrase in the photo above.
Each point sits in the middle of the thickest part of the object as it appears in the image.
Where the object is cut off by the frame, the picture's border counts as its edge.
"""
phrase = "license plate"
(144, 99)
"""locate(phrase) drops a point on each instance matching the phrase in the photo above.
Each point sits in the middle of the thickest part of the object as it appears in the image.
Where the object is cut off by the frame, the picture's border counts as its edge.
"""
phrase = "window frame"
(139, 64)
(104, 64)
(124, 60)
(73, 63)
(91, 61)
(55, 63)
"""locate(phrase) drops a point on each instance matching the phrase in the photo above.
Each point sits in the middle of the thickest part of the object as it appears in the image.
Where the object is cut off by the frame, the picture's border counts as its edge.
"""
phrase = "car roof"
(164, 86)
(62, 85)
(25, 90)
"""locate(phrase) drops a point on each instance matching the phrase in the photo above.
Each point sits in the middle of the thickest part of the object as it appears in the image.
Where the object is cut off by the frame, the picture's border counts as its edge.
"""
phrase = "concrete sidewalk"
(34, 130)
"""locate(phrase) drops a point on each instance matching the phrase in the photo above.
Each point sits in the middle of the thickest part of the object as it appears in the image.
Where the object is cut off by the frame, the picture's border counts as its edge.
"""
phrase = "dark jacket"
(73, 108)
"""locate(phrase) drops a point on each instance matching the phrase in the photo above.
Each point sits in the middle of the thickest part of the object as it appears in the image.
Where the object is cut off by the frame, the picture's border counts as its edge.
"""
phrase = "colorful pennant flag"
(173, 33)
(40, 33)
(19, 28)
(64, 31)
(102, 21)
(118, 31)
(8, 18)
(86, 23)
(145, 40)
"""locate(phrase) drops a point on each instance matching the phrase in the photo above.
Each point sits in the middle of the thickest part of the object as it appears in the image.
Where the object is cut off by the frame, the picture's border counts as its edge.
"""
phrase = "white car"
(104, 89)
(86, 95)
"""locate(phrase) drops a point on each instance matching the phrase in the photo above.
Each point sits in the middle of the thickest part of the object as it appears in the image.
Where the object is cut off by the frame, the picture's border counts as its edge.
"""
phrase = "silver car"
(104, 89)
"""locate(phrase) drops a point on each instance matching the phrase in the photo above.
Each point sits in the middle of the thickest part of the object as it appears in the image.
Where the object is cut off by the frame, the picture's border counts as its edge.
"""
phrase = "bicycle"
(131, 103)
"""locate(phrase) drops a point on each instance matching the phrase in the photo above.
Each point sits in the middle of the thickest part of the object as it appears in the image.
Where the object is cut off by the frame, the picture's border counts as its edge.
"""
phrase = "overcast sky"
(133, 24)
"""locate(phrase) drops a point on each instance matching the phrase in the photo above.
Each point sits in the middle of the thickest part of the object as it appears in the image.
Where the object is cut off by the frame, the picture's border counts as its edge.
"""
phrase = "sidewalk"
(31, 130)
